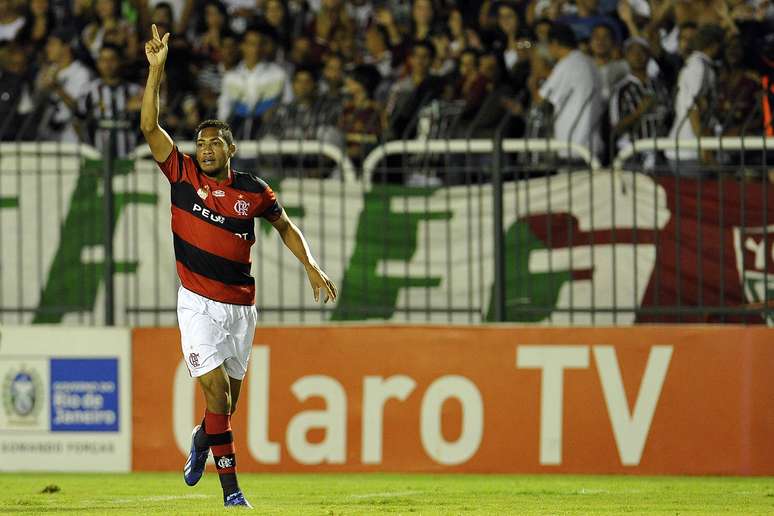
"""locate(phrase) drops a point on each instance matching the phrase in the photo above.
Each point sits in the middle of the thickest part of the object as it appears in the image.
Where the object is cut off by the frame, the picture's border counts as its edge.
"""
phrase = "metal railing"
(493, 237)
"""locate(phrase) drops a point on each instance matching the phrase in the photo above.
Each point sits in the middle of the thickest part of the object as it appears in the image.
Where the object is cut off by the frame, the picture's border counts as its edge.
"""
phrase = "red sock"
(221, 441)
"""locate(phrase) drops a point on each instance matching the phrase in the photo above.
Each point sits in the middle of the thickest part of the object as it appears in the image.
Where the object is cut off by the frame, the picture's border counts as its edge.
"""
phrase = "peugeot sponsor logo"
(207, 214)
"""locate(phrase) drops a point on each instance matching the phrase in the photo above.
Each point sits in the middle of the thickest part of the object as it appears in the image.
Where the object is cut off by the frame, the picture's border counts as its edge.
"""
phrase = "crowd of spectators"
(600, 73)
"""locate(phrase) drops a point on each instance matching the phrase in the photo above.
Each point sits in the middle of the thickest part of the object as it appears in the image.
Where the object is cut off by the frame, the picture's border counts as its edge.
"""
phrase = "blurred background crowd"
(353, 72)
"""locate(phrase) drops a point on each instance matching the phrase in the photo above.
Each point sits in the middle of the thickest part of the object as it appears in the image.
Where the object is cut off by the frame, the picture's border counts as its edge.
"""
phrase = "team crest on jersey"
(219, 193)
(241, 207)
(203, 191)
(193, 358)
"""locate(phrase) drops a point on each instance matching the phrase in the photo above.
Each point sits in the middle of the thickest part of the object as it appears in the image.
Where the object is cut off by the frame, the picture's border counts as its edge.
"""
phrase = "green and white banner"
(580, 248)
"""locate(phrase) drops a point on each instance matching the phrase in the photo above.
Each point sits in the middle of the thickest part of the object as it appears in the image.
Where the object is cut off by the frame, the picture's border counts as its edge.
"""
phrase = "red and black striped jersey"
(213, 228)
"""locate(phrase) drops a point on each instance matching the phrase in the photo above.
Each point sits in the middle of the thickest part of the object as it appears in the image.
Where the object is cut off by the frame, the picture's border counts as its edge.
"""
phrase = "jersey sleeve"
(270, 209)
(173, 167)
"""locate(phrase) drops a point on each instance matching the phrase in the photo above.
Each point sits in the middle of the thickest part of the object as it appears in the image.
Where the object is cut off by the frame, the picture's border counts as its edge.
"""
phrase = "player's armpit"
(160, 143)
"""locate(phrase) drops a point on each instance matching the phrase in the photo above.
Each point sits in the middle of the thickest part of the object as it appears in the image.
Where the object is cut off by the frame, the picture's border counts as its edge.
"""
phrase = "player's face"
(39, 7)
(468, 64)
(601, 41)
(422, 11)
(212, 151)
(108, 63)
(54, 48)
(333, 70)
(251, 47)
(105, 8)
(507, 20)
(374, 41)
(354, 88)
(274, 13)
(303, 85)
(487, 66)
(212, 16)
(637, 57)
(16, 62)
(421, 59)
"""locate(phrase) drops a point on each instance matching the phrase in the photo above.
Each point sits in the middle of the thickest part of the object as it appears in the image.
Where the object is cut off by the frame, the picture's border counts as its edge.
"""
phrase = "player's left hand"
(320, 281)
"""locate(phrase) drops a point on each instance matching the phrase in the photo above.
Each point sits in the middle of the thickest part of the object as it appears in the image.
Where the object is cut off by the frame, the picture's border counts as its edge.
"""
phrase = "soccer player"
(213, 211)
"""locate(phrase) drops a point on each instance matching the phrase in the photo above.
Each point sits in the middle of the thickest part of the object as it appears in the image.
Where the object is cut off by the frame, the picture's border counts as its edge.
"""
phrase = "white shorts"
(214, 333)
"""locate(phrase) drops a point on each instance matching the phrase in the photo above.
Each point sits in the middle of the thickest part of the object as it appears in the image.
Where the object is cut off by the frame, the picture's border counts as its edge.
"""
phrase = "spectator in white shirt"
(694, 100)
(61, 81)
(254, 87)
(11, 20)
(574, 90)
(604, 51)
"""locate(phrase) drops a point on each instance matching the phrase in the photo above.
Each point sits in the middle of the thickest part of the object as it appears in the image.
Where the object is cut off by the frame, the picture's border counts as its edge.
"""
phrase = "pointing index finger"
(155, 32)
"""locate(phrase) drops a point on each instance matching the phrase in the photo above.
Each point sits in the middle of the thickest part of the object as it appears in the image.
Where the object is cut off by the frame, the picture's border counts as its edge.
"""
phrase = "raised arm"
(158, 139)
(295, 241)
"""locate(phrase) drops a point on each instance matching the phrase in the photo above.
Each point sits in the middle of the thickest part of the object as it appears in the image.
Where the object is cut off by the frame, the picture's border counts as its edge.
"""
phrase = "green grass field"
(329, 494)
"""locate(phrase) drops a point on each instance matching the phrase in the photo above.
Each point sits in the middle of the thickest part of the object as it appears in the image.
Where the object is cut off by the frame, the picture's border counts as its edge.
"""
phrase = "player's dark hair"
(383, 33)
(708, 35)
(368, 76)
(424, 44)
(311, 70)
(165, 6)
(263, 28)
(66, 34)
(201, 24)
(688, 25)
(223, 127)
(563, 35)
(609, 28)
(115, 48)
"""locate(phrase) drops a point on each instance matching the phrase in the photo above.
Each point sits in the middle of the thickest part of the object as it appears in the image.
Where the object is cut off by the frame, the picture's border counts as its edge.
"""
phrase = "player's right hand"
(156, 48)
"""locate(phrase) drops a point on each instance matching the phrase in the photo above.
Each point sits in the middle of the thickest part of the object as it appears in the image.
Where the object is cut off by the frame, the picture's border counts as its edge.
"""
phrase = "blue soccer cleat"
(197, 459)
(236, 500)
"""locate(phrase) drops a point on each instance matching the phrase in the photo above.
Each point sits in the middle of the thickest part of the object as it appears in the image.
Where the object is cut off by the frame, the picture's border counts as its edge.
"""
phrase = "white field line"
(592, 491)
(386, 494)
(158, 498)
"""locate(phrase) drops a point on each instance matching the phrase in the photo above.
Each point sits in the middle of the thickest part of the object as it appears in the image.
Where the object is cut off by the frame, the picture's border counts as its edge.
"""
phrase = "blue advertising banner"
(84, 395)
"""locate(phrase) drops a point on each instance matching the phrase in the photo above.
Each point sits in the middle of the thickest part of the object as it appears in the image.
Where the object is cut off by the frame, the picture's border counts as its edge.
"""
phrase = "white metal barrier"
(11, 150)
(705, 143)
(478, 146)
(277, 147)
